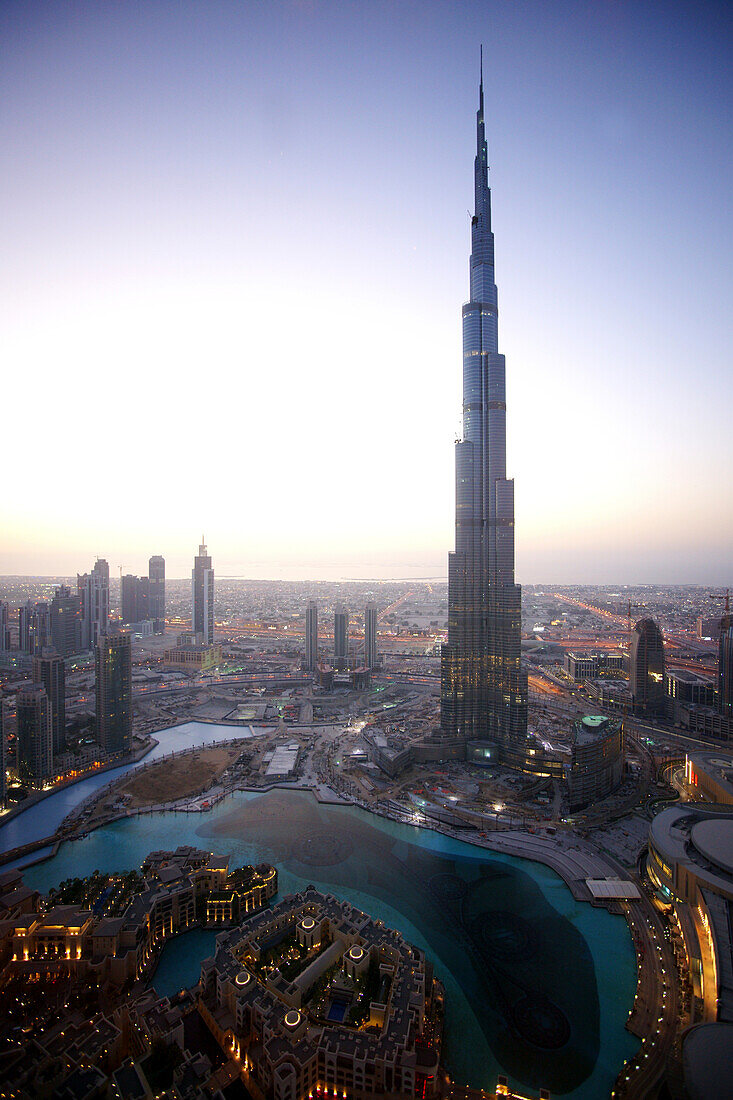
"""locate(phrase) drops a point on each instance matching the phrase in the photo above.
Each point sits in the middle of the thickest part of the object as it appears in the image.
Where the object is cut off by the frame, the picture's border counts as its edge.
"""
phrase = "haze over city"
(232, 278)
(366, 648)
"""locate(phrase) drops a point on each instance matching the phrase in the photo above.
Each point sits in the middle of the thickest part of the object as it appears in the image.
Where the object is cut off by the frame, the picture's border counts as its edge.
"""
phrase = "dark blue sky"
(251, 219)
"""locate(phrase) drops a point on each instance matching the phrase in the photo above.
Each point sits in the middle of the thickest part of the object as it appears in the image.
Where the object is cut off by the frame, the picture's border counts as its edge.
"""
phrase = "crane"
(726, 597)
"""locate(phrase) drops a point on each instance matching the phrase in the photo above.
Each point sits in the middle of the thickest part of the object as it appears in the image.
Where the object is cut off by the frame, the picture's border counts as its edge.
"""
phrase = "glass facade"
(156, 590)
(202, 596)
(483, 686)
(113, 689)
(646, 667)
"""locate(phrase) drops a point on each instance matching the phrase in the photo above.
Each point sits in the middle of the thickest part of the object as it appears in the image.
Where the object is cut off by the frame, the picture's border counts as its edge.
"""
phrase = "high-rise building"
(483, 687)
(156, 592)
(34, 627)
(202, 595)
(93, 591)
(341, 637)
(135, 598)
(646, 668)
(65, 622)
(34, 739)
(3, 776)
(4, 626)
(371, 658)
(49, 671)
(725, 668)
(113, 686)
(311, 636)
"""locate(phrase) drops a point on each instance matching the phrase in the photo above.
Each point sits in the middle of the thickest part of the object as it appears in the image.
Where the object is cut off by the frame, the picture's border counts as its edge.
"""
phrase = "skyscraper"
(156, 592)
(725, 668)
(646, 667)
(483, 687)
(65, 622)
(34, 626)
(3, 777)
(340, 637)
(202, 593)
(4, 626)
(93, 591)
(113, 687)
(370, 636)
(135, 598)
(49, 671)
(35, 737)
(311, 636)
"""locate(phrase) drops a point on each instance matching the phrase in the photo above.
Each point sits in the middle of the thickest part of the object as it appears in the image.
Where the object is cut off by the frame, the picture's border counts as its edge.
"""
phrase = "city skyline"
(174, 175)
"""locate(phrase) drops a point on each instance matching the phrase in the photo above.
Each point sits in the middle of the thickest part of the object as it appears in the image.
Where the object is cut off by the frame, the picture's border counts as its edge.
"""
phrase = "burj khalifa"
(483, 687)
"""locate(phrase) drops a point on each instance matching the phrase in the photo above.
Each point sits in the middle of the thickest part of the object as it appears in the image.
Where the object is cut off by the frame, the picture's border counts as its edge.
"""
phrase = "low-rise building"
(193, 654)
(690, 861)
(288, 992)
(711, 775)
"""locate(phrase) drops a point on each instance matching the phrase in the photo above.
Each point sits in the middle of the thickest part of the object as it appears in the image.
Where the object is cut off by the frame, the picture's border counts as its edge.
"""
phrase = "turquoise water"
(179, 965)
(44, 818)
(538, 985)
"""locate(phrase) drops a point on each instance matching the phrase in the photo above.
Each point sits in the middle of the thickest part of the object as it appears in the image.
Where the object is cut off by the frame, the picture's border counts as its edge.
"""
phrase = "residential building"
(34, 738)
(311, 636)
(4, 626)
(113, 686)
(93, 589)
(34, 627)
(341, 637)
(371, 657)
(49, 671)
(65, 622)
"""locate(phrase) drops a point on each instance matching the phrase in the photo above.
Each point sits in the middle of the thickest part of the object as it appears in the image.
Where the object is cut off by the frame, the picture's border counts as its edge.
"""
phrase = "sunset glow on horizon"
(235, 253)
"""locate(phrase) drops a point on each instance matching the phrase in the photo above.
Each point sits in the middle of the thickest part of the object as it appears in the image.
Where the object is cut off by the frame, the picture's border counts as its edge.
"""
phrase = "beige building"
(192, 654)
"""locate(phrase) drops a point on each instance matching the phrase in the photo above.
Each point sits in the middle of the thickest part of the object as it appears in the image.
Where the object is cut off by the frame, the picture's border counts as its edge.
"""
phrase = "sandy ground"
(179, 777)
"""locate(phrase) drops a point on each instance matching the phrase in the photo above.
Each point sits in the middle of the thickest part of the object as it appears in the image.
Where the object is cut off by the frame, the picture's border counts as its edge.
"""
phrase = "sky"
(234, 250)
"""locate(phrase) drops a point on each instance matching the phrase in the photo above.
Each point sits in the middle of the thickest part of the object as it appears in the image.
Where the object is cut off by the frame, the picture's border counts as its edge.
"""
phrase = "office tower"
(65, 622)
(202, 591)
(113, 686)
(4, 626)
(128, 598)
(646, 667)
(49, 671)
(156, 592)
(483, 687)
(311, 636)
(34, 627)
(93, 591)
(725, 668)
(134, 598)
(370, 636)
(34, 739)
(340, 637)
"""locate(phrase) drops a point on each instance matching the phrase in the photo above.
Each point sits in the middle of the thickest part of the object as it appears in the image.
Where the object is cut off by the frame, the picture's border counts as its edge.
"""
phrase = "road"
(656, 1006)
